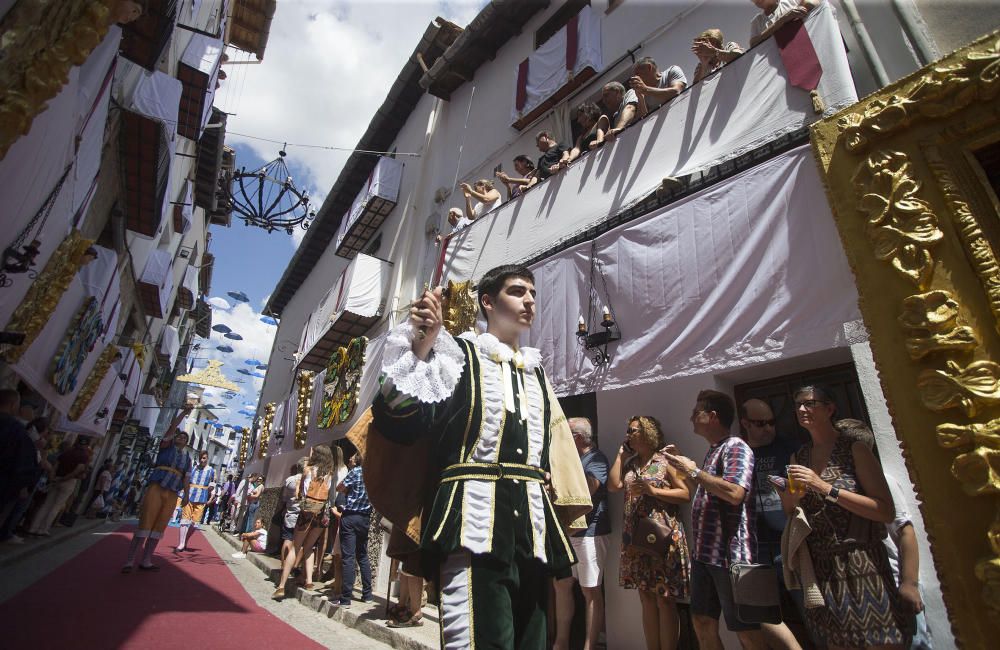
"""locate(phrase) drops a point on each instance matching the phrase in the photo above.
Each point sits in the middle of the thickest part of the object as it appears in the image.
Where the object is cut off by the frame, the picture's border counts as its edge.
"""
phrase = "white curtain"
(748, 271)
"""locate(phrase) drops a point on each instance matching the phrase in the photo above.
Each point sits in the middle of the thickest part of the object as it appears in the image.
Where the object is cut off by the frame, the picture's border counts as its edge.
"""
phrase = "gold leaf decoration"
(941, 91)
(460, 307)
(94, 379)
(342, 383)
(303, 407)
(35, 310)
(968, 388)
(42, 41)
(265, 429)
(932, 319)
(900, 225)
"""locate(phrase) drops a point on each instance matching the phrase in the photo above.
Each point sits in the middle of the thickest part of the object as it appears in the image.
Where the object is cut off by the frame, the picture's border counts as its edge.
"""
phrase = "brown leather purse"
(650, 537)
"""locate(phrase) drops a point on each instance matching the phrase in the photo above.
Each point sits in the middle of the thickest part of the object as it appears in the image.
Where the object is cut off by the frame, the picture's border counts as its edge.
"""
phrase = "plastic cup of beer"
(793, 486)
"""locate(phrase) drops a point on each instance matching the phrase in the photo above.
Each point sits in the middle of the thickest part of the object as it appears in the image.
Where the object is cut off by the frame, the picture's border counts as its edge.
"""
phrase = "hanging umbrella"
(250, 404)
(259, 375)
(244, 371)
(267, 320)
(262, 366)
(238, 296)
(221, 329)
(233, 336)
(224, 348)
(253, 362)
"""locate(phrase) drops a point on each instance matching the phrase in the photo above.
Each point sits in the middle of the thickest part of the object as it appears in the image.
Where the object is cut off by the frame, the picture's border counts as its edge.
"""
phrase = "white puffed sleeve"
(429, 381)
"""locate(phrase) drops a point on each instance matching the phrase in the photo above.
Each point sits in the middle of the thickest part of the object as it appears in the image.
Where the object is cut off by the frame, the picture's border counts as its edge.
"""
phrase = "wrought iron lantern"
(267, 198)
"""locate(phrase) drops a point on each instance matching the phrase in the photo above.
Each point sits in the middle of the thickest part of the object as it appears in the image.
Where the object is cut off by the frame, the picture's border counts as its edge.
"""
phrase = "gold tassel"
(818, 105)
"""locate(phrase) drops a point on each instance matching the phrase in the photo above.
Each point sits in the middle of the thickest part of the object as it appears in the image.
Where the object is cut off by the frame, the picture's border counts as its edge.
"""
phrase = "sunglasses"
(762, 423)
(632, 430)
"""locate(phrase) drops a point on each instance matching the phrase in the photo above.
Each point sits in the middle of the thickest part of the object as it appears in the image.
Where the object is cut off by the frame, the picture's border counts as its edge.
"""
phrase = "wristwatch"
(694, 473)
(833, 495)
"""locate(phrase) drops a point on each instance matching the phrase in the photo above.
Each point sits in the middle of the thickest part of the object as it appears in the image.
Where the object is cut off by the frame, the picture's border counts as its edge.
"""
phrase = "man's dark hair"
(525, 160)
(10, 399)
(720, 403)
(646, 60)
(492, 282)
(543, 134)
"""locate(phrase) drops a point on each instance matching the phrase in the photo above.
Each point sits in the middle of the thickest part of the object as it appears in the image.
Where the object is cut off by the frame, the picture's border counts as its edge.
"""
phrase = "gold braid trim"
(265, 428)
(94, 380)
(303, 407)
(32, 315)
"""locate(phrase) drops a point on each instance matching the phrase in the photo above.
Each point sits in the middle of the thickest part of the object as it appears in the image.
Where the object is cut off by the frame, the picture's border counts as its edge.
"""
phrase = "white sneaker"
(239, 556)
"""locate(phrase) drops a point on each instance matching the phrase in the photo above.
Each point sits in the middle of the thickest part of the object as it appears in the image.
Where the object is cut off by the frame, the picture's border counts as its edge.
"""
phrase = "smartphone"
(778, 482)
(628, 448)
(498, 169)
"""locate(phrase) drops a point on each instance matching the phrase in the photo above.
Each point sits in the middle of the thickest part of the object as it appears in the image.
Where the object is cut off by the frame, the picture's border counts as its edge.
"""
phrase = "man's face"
(611, 98)
(543, 144)
(181, 440)
(579, 438)
(514, 306)
(647, 73)
(701, 419)
(758, 423)
(203, 459)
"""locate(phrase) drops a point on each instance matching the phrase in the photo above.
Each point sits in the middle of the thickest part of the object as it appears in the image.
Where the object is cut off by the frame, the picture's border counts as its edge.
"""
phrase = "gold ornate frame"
(921, 229)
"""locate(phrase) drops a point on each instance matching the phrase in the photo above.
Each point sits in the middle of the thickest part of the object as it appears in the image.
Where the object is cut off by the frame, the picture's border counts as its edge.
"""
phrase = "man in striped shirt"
(197, 497)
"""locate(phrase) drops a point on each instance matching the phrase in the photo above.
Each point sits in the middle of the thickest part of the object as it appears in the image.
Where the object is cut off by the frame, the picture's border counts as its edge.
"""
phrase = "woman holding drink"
(840, 487)
(653, 490)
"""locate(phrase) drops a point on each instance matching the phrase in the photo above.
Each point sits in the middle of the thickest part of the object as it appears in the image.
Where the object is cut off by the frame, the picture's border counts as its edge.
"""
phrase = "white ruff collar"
(491, 347)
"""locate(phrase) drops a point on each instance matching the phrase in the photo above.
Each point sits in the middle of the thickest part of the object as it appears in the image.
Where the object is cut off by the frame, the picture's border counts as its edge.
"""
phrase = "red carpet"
(193, 601)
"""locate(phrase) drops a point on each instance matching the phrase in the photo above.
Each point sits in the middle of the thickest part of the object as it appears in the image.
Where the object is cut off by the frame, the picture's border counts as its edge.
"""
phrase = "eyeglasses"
(762, 423)
(810, 403)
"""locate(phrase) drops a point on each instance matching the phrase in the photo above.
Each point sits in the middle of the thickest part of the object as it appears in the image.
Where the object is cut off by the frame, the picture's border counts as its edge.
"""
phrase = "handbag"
(756, 598)
(650, 537)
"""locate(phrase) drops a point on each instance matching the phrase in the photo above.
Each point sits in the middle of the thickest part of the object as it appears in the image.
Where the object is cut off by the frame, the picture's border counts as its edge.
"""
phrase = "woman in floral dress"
(652, 488)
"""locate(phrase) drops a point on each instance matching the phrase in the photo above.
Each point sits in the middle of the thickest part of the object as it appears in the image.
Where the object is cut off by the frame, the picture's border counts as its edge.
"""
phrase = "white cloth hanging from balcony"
(557, 61)
(748, 271)
(739, 109)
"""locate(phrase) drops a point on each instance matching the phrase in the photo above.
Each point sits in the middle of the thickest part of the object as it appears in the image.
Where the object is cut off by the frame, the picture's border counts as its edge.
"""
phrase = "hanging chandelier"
(267, 198)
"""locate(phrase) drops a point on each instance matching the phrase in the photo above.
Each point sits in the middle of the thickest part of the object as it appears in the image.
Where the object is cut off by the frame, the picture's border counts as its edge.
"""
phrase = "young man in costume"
(503, 457)
(170, 475)
(195, 499)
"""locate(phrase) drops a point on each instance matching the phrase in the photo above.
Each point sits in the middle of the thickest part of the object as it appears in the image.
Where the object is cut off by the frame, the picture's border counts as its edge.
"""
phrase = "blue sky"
(327, 68)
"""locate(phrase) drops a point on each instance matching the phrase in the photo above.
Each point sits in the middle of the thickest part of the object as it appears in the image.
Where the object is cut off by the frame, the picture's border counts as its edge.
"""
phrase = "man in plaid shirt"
(354, 525)
(722, 518)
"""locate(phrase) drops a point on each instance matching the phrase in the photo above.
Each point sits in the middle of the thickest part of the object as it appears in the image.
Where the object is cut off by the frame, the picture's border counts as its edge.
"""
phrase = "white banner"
(725, 278)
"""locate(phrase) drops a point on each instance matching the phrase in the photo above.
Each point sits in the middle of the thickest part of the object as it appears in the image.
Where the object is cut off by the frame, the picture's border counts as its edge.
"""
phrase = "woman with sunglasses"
(653, 488)
(839, 484)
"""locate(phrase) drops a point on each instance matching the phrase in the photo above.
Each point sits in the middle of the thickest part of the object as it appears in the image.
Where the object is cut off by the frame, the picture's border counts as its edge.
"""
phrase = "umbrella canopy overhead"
(267, 320)
(224, 348)
(262, 366)
(238, 296)
(221, 328)
(233, 336)
(253, 362)
(244, 371)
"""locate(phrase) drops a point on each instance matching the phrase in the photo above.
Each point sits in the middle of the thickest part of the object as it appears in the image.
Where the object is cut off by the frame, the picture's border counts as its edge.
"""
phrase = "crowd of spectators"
(622, 105)
(834, 530)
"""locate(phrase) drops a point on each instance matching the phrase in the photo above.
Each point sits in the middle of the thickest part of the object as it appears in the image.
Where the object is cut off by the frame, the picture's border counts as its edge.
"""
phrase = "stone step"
(367, 618)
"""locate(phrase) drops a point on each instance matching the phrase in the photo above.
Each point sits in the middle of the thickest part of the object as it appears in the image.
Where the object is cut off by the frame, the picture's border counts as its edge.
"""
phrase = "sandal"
(413, 621)
(278, 594)
(152, 568)
(308, 585)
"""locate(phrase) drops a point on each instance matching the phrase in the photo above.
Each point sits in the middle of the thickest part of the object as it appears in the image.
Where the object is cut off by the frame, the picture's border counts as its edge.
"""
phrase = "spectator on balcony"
(552, 153)
(624, 103)
(654, 88)
(774, 14)
(526, 180)
(713, 52)
(486, 195)
(588, 116)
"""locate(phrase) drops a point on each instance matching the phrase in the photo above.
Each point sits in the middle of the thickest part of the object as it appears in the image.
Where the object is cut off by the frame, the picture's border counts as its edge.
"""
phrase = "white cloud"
(327, 68)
